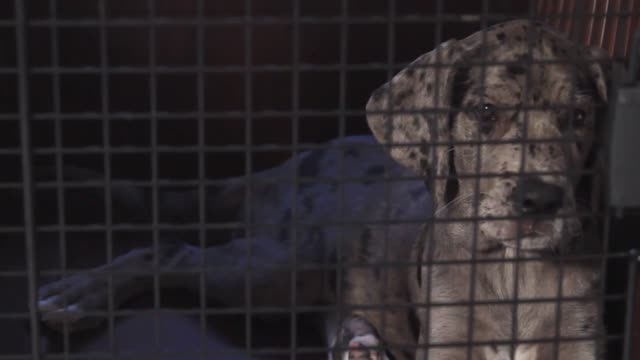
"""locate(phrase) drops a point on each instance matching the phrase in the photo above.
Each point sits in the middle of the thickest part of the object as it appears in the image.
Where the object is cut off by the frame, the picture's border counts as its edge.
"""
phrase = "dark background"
(71, 98)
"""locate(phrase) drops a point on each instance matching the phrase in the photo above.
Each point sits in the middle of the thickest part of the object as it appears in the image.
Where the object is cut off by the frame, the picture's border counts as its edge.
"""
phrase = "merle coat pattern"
(429, 115)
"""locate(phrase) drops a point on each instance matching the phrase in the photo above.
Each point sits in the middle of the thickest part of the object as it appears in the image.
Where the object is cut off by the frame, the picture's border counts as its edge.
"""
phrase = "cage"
(138, 134)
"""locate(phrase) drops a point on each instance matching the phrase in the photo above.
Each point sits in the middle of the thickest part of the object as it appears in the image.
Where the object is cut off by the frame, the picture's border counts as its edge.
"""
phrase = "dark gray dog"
(354, 213)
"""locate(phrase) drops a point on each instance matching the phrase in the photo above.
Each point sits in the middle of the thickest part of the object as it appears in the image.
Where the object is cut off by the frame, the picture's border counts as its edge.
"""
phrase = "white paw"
(358, 340)
(64, 303)
(364, 348)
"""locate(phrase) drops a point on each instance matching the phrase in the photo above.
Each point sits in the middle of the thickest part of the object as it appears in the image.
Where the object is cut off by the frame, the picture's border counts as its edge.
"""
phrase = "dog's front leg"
(378, 325)
(73, 299)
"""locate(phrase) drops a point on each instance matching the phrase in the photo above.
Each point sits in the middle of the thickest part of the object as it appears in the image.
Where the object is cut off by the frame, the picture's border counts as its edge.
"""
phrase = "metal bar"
(591, 24)
(629, 28)
(248, 151)
(22, 60)
(59, 159)
(202, 194)
(271, 351)
(106, 143)
(340, 311)
(476, 200)
(630, 303)
(153, 107)
(295, 119)
(274, 310)
(391, 60)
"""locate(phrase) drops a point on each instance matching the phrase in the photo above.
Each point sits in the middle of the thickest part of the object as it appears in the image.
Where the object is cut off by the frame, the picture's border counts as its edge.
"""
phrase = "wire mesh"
(143, 134)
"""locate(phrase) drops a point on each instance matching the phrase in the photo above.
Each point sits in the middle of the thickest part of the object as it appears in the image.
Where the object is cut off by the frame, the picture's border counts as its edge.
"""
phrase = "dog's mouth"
(539, 236)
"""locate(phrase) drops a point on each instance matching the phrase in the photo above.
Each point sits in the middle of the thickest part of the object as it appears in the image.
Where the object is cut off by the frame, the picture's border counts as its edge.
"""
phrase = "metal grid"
(56, 131)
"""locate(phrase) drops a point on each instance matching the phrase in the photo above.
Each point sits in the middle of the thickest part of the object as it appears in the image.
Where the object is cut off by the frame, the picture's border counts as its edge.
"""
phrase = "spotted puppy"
(445, 118)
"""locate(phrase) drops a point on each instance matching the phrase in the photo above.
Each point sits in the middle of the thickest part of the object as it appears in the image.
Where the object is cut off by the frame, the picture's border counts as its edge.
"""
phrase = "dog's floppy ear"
(599, 65)
(410, 113)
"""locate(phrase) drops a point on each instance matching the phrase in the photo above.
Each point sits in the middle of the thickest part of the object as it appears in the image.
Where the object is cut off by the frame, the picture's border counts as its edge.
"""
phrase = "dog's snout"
(538, 197)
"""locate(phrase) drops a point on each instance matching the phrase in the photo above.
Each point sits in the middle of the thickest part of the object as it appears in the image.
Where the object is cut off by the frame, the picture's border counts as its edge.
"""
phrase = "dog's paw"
(65, 303)
(358, 340)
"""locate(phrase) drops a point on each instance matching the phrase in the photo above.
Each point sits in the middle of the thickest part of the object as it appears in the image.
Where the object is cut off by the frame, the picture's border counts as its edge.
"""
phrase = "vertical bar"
(200, 44)
(248, 166)
(295, 94)
(437, 39)
(570, 17)
(22, 60)
(549, 11)
(59, 161)
(557, 18)
(629, 26)
(523, 159)
(590, 29)
(153, 88)
(106, 141)
(611, 29)
(541, 7)
(391, 58)
(606, 233)
(630, 303)
(628, 17)
(484, 14)
(342, 109)
(602, 30)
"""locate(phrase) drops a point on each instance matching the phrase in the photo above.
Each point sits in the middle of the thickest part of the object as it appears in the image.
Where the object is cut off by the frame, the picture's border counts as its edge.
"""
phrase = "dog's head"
(508, 116)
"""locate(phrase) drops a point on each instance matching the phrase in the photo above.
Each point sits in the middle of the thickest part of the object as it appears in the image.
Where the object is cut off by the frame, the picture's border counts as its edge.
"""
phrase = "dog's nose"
(538, 197)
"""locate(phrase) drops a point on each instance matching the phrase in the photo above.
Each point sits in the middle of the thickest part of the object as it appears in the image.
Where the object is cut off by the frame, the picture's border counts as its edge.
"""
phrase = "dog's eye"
(579, 117)
(487, 113)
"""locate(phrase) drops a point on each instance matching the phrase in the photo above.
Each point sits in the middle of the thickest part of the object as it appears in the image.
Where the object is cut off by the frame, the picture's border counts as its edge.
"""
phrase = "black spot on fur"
(587, 326)
(377, 94)
(500, 36)
(518, 38)
(307, 202)
(352, 151)
(532, 150)
(365, 238)
(416, 193)
(402, 95)
(536, 96)
(310, 165)
(412, 155)
(410, 71)
(284, 229)
(317, 235)
(424, 165)
(424, 147)
(460, 86)
(429, 88)
(486, 127)
(414, 325)
(552, 151)
(333, 187)
(524, 59)
(516, 69)
(375, 170)
(416, 122)
(452, 187)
